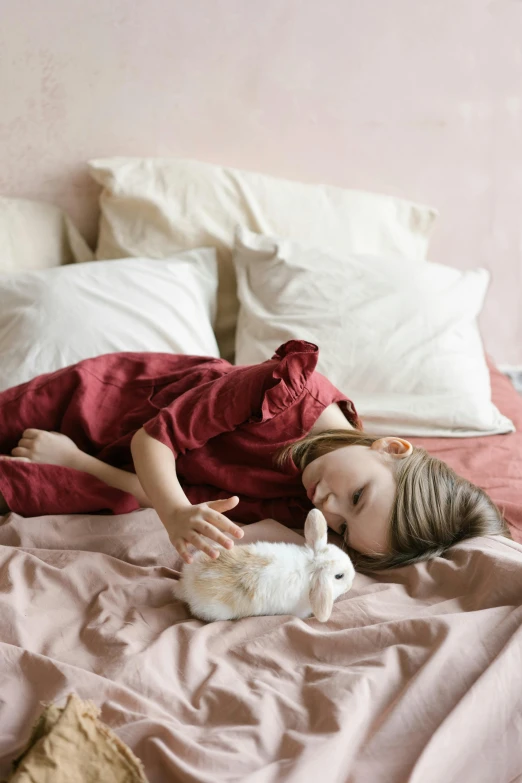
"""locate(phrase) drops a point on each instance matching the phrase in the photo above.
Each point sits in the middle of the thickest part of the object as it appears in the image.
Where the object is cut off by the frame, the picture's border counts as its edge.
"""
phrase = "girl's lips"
(311, 492)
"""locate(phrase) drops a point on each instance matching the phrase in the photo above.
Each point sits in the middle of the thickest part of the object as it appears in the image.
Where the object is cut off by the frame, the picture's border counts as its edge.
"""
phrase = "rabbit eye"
(339, 576)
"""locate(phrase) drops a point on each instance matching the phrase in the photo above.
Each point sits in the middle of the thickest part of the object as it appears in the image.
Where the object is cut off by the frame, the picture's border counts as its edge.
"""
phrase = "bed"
(414, 678)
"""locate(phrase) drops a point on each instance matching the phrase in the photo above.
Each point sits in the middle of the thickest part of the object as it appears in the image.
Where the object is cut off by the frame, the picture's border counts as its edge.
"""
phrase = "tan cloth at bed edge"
(70, 745)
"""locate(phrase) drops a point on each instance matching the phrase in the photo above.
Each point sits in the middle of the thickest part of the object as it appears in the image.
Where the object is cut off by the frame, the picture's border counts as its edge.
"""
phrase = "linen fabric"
(386, 691)
(54, 318)
(36, 235)
(401, 336)
(223, 423)
(157, 206)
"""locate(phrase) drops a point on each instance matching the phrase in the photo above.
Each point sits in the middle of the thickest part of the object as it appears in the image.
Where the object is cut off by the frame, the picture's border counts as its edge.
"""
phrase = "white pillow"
(157, 206)
(399, 338)
(36, 235)
(53, 318)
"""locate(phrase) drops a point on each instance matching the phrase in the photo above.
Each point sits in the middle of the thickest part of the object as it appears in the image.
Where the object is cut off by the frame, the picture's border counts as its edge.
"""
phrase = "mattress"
(413, 679)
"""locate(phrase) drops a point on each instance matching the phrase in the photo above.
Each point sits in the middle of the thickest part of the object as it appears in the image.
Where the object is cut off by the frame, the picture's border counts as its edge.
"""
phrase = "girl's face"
(355, 487)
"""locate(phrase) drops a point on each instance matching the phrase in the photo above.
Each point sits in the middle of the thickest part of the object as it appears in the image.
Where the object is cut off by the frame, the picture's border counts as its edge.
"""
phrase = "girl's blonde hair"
(434, 508)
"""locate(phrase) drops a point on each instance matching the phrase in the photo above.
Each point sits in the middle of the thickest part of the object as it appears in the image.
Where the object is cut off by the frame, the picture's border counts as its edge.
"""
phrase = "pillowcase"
(35, 235)
(155, 207)
(53, 318)
(399, 338)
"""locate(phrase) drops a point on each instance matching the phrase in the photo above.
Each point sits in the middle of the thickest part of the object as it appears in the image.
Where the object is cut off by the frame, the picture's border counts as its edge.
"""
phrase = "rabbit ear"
(315, 530)
(321, 595)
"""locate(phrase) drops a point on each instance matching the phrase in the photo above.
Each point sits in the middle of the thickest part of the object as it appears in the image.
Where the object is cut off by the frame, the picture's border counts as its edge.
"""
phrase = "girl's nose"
(331, 511)
(329, 504)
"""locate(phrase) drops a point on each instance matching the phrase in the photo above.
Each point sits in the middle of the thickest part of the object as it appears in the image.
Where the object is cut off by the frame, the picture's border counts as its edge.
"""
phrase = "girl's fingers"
(30, 433)
(26, 443)
(182, 549)
(199, 542)
(209, 530)
(224, 504)
(222, 523)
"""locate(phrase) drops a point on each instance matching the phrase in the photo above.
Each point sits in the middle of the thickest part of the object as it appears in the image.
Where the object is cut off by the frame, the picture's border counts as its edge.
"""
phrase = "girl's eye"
(356, 496)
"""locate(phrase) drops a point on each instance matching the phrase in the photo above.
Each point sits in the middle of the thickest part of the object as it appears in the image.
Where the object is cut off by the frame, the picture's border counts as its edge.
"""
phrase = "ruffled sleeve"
(296, 361)
(242, 394)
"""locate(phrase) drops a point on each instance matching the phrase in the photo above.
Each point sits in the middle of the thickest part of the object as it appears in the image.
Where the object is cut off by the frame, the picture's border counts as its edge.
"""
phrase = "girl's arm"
(156, 486)
(114, 477)
(155, 466)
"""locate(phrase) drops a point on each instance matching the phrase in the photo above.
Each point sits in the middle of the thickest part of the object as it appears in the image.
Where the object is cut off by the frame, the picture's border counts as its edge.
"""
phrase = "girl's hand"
(196, 524)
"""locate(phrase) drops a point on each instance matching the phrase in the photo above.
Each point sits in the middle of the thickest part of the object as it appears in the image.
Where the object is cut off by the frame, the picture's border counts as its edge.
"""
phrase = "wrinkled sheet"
(416, 677)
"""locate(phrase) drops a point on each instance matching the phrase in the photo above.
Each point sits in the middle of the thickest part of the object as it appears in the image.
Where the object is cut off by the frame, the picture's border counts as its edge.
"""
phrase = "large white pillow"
(53, 318)
(37, 235)
(156, 206)
(399, 338)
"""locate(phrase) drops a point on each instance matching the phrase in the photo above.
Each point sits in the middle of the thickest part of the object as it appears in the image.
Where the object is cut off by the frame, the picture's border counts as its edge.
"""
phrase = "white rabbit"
(268, 578)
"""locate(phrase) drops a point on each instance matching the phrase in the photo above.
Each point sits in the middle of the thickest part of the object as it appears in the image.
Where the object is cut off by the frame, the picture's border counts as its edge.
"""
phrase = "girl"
(198, 438)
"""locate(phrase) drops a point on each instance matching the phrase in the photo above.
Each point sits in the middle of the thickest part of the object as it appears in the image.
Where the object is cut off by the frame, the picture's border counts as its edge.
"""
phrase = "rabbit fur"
(268, 578)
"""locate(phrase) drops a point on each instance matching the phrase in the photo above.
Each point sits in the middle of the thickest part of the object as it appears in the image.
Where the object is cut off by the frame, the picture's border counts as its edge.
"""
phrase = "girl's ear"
(316, 530)
(395, 447)
(321, 595)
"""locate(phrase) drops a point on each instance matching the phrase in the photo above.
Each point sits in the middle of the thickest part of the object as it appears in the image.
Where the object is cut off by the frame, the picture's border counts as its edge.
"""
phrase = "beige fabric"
(56, 317)
(414, 677)
(36, 235)
(70, 745)
(155, 207)
(399, 338)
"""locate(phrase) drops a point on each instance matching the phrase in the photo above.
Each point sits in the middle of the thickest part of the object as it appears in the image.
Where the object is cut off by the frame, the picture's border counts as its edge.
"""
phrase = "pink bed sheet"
(415, 679)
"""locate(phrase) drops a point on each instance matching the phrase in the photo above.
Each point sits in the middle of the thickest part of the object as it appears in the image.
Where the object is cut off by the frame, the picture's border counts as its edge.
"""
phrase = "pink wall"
(419, 98)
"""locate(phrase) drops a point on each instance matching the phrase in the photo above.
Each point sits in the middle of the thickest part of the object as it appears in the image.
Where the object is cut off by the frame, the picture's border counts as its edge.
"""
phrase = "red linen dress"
(223, 423)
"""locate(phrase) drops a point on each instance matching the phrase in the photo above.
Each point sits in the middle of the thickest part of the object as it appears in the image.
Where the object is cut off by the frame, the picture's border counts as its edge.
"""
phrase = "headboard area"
(417, 100)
